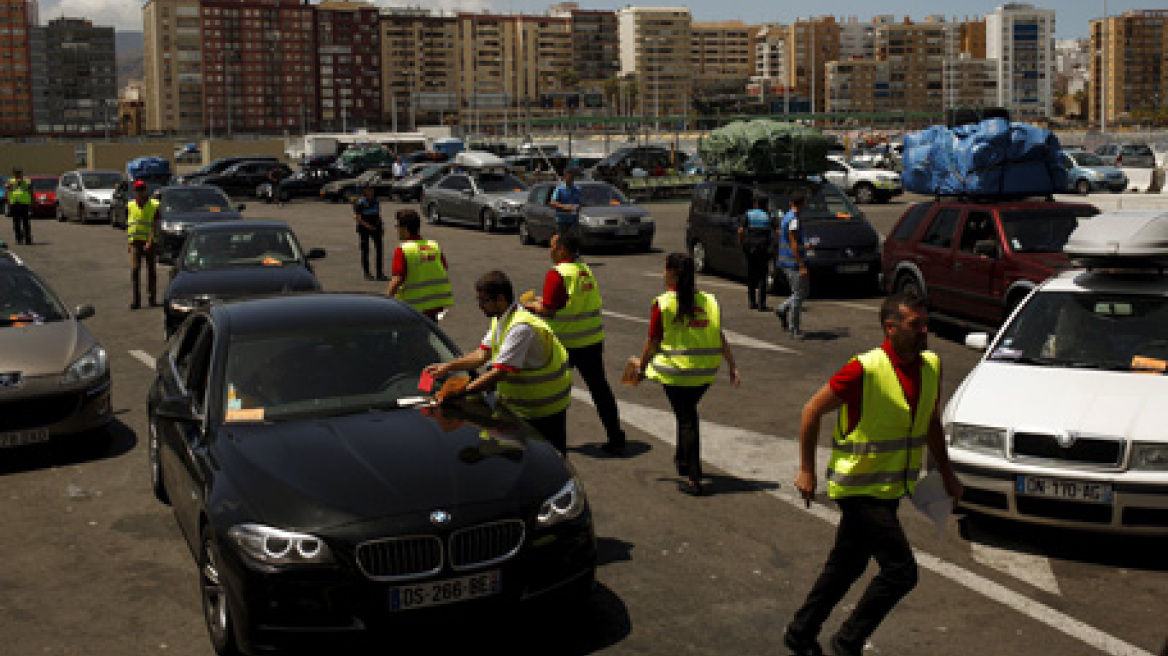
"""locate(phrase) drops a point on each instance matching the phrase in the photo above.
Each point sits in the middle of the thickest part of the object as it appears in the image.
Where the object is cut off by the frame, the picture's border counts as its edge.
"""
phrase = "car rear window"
(1138, 149)
(912, 218)
(1042, 230)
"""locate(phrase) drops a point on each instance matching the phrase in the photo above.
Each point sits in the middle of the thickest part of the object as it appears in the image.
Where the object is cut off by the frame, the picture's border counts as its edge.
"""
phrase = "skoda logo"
(1065, 440)
(440, 518)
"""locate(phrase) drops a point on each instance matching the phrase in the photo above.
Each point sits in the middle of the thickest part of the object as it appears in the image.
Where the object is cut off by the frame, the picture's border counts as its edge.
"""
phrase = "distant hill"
(130, 64)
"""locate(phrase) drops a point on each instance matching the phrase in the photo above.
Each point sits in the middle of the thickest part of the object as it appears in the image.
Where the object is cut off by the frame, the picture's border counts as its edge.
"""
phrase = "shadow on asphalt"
(633, 448)
(1110, 550)
(719, 484)
(72, 450)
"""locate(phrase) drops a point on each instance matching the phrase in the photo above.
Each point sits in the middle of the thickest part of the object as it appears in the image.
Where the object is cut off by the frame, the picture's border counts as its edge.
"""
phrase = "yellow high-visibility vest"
(427, 286)
(21, 193)
(691, 349)
(578, 324)
(543, 390)
(881, 456)
(140, 220)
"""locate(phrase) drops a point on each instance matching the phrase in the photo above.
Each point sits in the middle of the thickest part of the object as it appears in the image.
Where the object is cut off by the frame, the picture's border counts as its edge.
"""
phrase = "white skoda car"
(1062, 422)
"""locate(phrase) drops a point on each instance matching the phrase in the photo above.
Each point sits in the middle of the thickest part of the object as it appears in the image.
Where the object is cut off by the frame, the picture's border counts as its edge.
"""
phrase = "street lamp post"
(412, 98)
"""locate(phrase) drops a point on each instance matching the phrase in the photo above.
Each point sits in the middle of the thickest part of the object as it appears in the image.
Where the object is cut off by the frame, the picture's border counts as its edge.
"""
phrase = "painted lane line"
(143, 357)
(736, 339)
(766, 458)
(1030, 568)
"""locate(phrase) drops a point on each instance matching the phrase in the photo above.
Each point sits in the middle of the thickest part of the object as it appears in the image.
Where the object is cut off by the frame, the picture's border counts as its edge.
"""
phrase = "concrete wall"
(38, 159)
(113, 156)
(213, 149)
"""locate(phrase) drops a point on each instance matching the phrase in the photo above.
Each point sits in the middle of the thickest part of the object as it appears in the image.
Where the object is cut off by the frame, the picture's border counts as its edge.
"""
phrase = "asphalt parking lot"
(92, 564)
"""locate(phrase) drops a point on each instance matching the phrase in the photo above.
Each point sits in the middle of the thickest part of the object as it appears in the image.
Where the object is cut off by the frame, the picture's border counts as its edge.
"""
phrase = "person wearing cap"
(20, 206)
(143, 220)
(367, 214)
(566, 201)
(418, 274)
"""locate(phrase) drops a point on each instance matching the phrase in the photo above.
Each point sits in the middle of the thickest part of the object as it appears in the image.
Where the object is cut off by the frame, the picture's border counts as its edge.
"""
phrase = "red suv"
(977, 260)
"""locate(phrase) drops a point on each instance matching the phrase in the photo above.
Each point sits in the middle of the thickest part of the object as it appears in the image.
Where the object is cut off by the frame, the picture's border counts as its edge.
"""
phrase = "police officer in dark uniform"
(757, 238)
(367, 213)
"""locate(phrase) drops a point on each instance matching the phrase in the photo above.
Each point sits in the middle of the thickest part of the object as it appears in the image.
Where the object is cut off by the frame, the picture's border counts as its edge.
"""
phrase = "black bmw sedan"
(222, 261)
(321, 493)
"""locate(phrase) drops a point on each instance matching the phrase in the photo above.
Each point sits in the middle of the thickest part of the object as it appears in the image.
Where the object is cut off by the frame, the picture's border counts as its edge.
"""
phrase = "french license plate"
(629, 231)
(851, 268)
(446, 591)
(1056, 488)
(22, 437)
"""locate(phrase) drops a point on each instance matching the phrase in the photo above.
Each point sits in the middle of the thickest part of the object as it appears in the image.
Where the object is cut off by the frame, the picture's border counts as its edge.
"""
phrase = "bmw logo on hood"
(440, 518)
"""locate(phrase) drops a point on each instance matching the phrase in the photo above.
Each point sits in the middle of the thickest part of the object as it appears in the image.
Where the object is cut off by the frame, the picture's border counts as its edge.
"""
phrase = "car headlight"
(990, 441)
(183, 305)
(176, 228)
(1149, 457)
(94, 364)
(567, 503)
(1095, 175)
(278, 547)
(504, 204)
(591, 221)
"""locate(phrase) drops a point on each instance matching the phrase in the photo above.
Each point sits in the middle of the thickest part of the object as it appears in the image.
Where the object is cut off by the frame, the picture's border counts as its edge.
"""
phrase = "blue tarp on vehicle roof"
(993, 157)
(148, 167)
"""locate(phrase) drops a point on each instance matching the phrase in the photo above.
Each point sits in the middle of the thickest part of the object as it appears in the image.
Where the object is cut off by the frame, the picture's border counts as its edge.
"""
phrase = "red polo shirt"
(848, 383)
(656, 329)
(399, 261)
(555, 294)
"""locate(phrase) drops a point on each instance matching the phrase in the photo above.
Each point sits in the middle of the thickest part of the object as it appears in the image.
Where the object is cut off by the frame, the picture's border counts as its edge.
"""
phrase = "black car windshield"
(214, 249)
(44, 184)
(1042, 230)
(495, 183)
(344, 370)
(1122, 332)
(100, 180)
(181, 201)
(1086, 159)
(601, 194)
(824, 201)
(24, 300)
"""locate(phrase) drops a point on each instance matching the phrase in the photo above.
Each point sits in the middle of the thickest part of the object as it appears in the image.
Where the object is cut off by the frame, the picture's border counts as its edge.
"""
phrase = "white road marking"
(736, 339)
(757, 456)
(1030, 568)
(143, 357)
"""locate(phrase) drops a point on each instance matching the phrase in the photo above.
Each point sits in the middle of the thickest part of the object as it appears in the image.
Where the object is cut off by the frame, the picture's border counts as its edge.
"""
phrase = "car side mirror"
(977, 341)
(176, 408)
(315, 254)
(83, 312)
(240, 207)
(987, 248)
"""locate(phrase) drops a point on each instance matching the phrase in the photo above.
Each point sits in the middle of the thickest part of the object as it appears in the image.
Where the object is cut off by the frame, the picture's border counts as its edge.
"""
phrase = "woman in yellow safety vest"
(684, 349)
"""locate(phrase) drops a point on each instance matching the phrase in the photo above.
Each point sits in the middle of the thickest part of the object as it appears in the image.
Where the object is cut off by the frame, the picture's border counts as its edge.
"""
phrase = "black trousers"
(684, 401)
(554, 429)
(21, 225)
(869, 528)
(378, 238)
(756, 275)
(589, 361)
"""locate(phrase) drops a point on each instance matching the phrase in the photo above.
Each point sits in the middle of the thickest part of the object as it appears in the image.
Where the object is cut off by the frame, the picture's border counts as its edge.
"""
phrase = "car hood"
(1119, 404)
(513, 196)
(104, 194)
(1102, 170)
(319, 473)
(193, 218)
(839, 233)
(337, 184)
(38, 350)
(239, 281)
(612, 211)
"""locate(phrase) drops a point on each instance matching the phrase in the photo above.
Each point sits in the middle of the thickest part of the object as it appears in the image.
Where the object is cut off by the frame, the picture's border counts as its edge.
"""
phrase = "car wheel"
(61, 213)
(432, 214)
(155, 466)
(216, 611)
(1082, 187)
(697, 251)
(524, 233)
(81, 214)
(908, 284)
(865, 194)
(487, 220)
(285, 196)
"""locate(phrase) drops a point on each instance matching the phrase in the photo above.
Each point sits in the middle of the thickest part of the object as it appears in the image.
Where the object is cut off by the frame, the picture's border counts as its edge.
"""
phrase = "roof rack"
(997, 198)
(1127, 240)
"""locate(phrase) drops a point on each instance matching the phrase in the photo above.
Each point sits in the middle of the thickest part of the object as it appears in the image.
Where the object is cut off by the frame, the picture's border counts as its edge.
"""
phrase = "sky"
(1071, 16)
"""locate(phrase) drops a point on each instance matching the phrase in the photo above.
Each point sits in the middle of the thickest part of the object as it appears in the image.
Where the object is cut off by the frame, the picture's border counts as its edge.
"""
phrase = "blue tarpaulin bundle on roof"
(148, 167)
(993, 157)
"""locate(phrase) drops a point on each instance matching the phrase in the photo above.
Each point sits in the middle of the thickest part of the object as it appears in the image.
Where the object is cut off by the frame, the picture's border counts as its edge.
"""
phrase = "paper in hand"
(932, 500)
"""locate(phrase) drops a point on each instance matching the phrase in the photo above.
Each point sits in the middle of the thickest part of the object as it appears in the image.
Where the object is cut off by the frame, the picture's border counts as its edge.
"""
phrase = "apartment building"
(595, 45)
(655, 53)
(16, 113)
(259, 66)
(858, 39)
(722, 56)
(971, 82)
(811, 45)
(859, 86)
(132, 109)
(173, 66)
(972, 37)
(1020, 38)
(1129, 65)
(74, 78)
(348, 65)
(419, 67)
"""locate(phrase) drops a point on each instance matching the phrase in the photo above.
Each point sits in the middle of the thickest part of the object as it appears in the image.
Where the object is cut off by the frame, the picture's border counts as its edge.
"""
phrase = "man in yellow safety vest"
(887, 400)
(529, 366)
(143, 222)
(419, 275)
(20, 206)
(571, 306)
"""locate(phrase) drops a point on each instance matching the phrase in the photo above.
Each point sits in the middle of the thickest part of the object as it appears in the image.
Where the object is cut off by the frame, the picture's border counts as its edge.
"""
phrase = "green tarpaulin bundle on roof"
(765, 147)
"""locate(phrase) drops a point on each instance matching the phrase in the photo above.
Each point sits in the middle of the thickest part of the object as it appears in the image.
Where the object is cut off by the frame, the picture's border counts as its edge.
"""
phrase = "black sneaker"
(781, 313)
(381, 277)
(801, 646)
(368, 277)
(839, 647)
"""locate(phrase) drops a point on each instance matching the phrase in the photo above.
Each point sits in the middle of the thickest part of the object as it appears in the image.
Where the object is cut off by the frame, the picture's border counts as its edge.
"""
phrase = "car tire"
(907, 283)
(865, 193)
(61, 213)
(216, 608)
(1082, 187)
(488, 221)
(697, 250)
(81, 214)
(156, 482)
(432, 214)
(285, 196)
(524, 233)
